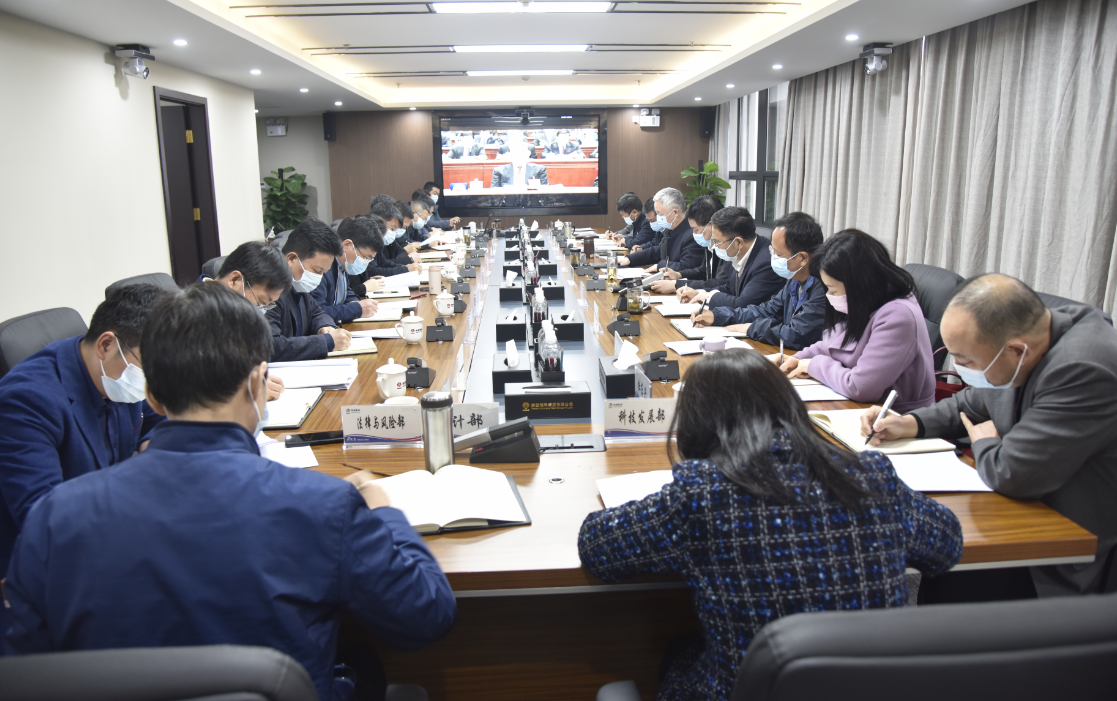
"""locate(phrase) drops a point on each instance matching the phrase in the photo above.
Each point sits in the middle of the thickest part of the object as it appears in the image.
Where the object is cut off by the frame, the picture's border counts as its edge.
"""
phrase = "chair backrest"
(337, 223)
(765, 232)
(1053, 301)
(209, 673)
(1021, 650)
(161, 279)
(933, 288)
(213, 266)
(280, 239)
(26, 335)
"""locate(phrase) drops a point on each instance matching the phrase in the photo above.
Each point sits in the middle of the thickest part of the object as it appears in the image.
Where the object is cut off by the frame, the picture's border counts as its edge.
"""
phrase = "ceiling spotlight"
(180, 42)
(411, 108)
(729, 85)
(852, 37)
(255, 71)
(304, 89)
(337, 104)
(777, 66)
(256, 112)
(636, 105)
(698, 99)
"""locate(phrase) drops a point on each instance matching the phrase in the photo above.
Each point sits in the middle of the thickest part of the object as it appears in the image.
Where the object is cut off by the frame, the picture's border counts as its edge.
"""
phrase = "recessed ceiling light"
(485, 74)
(255, 71)
(180, 42)
(698, 99)
(304, 89)
(411, 108)
(636, 105)
(777, 66)
(852, 37)
(502, 6)
(256, 111)
(729, 85)
(519, 48)
(337, 104)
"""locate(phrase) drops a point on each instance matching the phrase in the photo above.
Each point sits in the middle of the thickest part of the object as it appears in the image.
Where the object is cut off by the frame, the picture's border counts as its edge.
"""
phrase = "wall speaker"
(329, 126)
(707, 116)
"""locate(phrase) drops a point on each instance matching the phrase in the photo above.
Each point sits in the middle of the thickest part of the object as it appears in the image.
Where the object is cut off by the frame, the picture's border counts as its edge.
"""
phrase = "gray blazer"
(1058, 440)
(503, 176)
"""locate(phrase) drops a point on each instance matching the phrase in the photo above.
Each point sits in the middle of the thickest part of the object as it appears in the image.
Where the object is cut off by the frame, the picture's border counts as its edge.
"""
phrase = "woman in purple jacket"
(875, 339)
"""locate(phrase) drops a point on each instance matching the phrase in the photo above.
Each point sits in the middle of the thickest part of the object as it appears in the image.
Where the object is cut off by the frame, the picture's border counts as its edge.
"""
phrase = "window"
(754, 125)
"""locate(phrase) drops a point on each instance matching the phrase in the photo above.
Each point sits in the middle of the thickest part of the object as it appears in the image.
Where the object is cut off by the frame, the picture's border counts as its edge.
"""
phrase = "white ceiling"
(292, 52)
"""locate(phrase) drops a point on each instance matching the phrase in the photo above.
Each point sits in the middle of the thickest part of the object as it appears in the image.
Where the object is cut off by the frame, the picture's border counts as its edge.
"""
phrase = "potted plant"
(284, 199)
(704, 182)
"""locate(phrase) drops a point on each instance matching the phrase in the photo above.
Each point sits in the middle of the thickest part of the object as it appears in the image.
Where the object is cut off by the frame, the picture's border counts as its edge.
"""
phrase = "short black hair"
(735, 222)
(703, 209)
(421, 199)
(386, 211)
(649, 205)
(628, 202)
(428, 186)
(382, 198)
(364, 231)
(800, 232)
(260, 263)
(871, 279)
(124, 312)
(1001, 306)
(311, 237)
(200, 346)
(404, 209)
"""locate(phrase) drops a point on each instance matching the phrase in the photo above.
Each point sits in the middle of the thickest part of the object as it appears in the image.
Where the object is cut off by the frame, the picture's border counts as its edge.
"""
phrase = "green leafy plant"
(704, 182)
(284, 199)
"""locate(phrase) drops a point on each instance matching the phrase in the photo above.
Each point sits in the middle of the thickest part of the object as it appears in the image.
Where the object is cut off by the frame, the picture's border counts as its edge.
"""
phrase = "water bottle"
(611, 266)
(550, 353)
(539, 307)
(438, 431)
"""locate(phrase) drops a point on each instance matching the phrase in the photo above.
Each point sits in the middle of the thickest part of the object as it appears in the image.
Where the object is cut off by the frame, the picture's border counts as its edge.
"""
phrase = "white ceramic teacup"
(401, 401)
(444, 304)
(391, 379)
(411, 328)
(712, 343)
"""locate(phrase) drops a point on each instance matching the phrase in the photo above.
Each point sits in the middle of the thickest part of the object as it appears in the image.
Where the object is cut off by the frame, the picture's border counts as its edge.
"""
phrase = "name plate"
(630, 420)
(381, 426)
(468, 418)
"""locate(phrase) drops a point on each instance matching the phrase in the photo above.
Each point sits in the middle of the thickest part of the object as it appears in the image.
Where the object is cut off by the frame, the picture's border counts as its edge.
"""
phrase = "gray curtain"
(998, 153)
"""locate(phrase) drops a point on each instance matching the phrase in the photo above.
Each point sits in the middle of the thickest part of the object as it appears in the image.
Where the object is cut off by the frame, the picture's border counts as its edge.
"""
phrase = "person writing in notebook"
(795, 314)
(875, 339)
(360, 242)
(677, 248)
(200, 541)
(1039, 410)
(302, 331)
(764, 518)
(751, 279)
(710, 274)
(75, 407)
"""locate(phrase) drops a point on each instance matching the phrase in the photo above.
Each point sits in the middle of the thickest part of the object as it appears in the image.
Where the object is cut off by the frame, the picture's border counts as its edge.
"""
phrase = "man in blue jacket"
(75, 407)
(796, 313)
(677, 250)
(200, 541)
(433, 191)
(301, 330)
(713, 272)
(751, 278)
(638, 229)
(360, 242)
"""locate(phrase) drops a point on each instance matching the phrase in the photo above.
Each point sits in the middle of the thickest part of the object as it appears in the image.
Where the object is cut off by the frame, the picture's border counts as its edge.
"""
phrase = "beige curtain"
(999, 153)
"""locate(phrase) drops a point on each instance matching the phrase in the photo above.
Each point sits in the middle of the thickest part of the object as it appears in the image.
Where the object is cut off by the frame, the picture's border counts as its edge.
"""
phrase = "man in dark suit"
(519, 172)
(677, 249)
(752, 280)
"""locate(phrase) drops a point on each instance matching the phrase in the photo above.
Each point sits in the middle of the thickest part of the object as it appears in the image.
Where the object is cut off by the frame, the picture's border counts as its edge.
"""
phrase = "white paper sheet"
(664, 299)
(303, 456)
(687, 328)
(684, 347)
(819, 393)
(674, 309)
(291, 408)
(631, 273)
(408, 279)
(625, 488)
(377, 333)
(383, 313)
(331, 373)
(404, 304)
(357, 346)
(937, 472)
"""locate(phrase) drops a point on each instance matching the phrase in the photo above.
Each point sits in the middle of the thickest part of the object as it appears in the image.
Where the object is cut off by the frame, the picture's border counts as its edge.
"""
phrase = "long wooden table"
(532, 623)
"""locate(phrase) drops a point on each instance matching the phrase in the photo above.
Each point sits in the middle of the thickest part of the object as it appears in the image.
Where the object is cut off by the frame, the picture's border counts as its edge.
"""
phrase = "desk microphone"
(488, 435)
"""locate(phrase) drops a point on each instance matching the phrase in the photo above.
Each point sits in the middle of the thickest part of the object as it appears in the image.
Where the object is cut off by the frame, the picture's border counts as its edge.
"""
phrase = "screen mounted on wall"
(551, 162)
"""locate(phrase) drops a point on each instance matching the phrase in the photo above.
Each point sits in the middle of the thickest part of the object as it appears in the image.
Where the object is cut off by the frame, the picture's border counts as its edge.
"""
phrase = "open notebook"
(292, 407)
(845, 426)
(385, 313)
(389, 292)
(670, 309)
(357, 346)
(456, 498)
(687, 328)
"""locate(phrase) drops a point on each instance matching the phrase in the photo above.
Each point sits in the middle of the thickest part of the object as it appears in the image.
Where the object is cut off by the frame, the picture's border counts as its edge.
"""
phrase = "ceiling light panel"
(488, 74)
(519, 48)
(474, 8)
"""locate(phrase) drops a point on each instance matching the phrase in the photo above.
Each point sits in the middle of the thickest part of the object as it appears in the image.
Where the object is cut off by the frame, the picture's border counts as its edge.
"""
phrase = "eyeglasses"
(247, 286)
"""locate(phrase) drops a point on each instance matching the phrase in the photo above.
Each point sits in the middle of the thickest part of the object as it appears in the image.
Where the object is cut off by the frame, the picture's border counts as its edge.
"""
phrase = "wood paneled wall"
(391, 152)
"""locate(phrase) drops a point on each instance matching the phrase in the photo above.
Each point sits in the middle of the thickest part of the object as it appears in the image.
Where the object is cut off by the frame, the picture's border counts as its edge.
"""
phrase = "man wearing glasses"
(752, 280)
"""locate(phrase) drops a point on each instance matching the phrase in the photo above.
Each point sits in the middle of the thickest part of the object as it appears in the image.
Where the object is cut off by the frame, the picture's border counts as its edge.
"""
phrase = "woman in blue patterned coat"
(764, 519)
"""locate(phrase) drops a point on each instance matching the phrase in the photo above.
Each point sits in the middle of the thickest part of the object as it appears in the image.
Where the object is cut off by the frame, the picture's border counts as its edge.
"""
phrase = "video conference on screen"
(550, 164)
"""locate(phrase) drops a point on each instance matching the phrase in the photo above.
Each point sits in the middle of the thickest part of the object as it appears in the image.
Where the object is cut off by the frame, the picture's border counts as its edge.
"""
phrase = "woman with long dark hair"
(765, 518)
(875, 339)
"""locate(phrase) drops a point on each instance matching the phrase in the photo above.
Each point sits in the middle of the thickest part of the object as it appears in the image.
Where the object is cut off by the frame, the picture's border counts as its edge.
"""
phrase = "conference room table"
(532, 624)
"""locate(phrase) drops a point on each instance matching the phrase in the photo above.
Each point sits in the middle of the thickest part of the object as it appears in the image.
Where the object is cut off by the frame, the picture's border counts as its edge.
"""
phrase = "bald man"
(1041, 411)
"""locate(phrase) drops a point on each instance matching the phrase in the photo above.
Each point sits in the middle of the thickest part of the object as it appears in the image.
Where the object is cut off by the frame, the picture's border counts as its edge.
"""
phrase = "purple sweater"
(893, 353)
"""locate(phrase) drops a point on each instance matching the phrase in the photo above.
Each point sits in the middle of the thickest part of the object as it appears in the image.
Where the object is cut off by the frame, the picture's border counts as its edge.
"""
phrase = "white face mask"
(308, 282)
(358, 265)
(129, 388)
(419, 222)
(261, 419)
(627, 221)
(434, 198)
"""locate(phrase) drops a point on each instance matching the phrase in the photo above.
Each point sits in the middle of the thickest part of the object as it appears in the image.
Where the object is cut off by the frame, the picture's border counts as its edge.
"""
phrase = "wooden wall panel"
(391, 152)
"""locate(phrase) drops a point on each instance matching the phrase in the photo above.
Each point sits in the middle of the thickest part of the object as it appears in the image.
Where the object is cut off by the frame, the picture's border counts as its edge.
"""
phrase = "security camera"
(874, 57)
(525, 118)
(135, 54)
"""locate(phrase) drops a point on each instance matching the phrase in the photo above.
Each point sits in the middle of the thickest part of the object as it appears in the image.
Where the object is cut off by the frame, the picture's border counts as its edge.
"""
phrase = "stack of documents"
(408, 279)
(814, 391)
(631, 273)
(331, 373)
(376, 333)
(404, 304)
(675, 309)
(693, 347)
(357, 346)
(687, 328)
(292, 407)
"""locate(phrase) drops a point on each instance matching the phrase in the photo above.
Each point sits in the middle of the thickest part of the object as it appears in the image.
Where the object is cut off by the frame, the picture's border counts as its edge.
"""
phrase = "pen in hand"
(781, 352)
(881, 415)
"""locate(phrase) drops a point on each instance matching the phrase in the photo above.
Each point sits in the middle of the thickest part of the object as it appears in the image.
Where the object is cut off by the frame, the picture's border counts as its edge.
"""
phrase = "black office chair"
(209, 673)
(1061, 648)
(337, 223)
(765, 232)
(933, 289)
(280, 239)
(1053, 301)
(26, 335)
(161, 279)
(212, 266)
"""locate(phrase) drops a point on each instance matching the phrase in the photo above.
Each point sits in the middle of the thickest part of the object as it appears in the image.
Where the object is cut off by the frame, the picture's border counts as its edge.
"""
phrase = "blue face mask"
(357, 266)
(627, 221)
(724, 255)
(419, 223)
(389, 236)
(434, 198)
(700, 239)
(779, 265)
(659, 224)
(977, 378)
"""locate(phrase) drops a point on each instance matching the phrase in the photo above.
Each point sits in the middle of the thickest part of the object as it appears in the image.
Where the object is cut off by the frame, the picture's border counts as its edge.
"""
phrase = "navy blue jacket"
(295, 321)
(642, 233)
(757, 282)
(200, 541)
(677, 250)
(710, 275)
(335, 298)
(57, 426)
(437, 222)
(799, 325)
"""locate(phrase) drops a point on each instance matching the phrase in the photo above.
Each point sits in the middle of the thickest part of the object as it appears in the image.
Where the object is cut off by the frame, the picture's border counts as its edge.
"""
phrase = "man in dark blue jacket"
(713, 272)
(75, 407)
(751, 278)
(796, 313)
(677, 250)
(201, 541)
(432, 191)
(300, 329)
(638, 228)
(360, 242)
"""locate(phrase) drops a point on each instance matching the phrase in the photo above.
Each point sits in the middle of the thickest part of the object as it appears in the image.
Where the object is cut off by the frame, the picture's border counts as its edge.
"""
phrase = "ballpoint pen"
(781, 352)
(883, 411)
